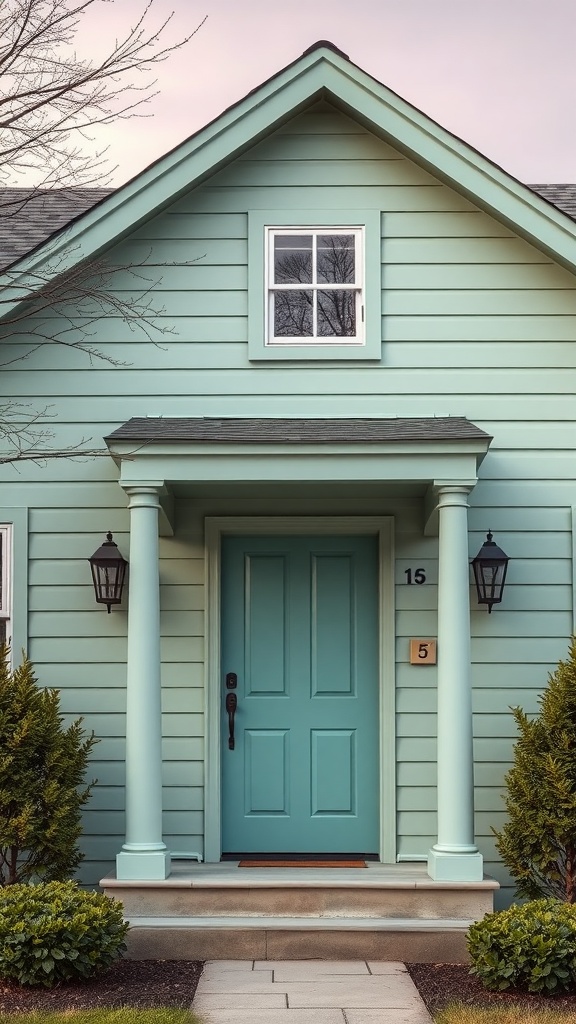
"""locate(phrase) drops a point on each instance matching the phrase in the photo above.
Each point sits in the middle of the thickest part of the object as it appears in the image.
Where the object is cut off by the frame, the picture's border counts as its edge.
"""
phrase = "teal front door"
(300, 654)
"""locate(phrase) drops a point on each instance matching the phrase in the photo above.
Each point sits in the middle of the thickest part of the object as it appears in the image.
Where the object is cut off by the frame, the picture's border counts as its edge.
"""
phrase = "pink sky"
(501, 74)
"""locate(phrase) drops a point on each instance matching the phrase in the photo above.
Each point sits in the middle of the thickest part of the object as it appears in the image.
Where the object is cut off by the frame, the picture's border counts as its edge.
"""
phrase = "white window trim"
(6, 570)
(357, 287)
(341, 220)
(15, 520)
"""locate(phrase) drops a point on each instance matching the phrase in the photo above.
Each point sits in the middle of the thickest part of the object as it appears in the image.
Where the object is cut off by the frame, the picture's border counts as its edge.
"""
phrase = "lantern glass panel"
(108, 581)
(492, 579)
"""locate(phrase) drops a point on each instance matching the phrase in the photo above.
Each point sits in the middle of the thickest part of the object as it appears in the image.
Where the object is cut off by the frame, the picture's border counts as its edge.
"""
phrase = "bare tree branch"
(49, 97)
(49, 100)
(25, 438)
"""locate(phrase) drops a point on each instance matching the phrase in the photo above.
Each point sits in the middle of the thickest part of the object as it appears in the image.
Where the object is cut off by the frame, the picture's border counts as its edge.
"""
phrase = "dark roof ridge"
(325, 44)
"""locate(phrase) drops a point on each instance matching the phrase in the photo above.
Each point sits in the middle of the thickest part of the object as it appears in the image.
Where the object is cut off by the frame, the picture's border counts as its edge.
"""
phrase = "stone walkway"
(308, 992)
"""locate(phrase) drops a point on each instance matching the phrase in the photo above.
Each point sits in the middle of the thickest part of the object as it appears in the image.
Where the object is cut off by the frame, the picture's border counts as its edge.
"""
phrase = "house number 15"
(415, 575)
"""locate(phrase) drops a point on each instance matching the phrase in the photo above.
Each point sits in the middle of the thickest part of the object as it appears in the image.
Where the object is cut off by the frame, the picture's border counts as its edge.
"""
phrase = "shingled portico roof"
(223, 430)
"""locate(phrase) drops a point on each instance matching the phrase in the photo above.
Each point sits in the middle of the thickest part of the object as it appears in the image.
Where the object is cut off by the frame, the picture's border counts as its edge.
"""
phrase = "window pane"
(292, 314)
(337, 314)
(336, 259)
(293, 259)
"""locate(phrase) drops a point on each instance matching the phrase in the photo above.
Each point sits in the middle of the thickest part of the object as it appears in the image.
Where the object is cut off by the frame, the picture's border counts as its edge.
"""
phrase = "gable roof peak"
(325, 44)
(324, 72)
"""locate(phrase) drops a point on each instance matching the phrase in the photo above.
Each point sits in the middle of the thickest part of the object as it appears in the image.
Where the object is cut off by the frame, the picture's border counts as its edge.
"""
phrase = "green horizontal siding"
(290, 380)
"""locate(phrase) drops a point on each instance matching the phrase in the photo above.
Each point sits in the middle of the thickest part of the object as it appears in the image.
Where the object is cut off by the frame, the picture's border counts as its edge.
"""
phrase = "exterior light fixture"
(108, 572)
(490, 567)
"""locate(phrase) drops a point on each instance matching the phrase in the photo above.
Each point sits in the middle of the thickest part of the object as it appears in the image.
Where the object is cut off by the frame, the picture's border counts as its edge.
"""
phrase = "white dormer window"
(315, 286)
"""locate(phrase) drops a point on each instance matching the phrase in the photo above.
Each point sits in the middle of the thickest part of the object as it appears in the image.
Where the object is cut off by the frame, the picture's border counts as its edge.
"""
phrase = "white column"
(143, 855)
(454, 857)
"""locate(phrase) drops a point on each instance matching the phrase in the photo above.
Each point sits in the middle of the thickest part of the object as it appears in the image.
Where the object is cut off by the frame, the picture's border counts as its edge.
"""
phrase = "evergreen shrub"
(538, 841)
(55, 931)
(532, 946)
(42, 788)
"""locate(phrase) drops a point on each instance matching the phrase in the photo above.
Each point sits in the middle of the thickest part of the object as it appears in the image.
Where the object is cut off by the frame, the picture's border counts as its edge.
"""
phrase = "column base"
(143, 867)
(455, 867)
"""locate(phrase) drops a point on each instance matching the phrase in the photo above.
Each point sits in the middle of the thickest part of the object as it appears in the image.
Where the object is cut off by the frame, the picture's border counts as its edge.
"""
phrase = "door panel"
(265, 624)
(300, 629)
(332, 763)
(332, 625)
(266, 772)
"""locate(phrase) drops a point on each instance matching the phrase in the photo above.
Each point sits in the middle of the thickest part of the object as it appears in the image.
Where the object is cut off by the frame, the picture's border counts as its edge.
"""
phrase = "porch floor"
(227, 875)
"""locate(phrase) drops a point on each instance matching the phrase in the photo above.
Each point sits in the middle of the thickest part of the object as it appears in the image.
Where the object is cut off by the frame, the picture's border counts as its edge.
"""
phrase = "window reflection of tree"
(293, 314)
(337, 314)
(335, 308)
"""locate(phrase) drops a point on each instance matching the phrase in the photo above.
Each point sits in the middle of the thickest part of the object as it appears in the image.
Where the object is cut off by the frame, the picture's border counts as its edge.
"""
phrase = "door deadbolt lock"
(231, 681)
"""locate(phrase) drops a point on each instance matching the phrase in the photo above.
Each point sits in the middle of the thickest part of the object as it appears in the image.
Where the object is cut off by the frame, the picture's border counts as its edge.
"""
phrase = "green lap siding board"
(476, 322)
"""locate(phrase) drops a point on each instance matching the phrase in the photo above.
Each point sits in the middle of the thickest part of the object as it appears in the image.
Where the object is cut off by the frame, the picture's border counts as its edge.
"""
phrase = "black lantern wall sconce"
(108, 573)
(490, 567)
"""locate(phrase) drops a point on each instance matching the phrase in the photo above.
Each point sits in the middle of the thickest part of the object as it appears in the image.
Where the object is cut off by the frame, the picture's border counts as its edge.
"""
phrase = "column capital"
(143, 495)
(453, 494)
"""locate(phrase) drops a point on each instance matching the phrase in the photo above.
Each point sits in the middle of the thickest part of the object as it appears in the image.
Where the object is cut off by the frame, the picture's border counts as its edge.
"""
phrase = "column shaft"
(144, 854)
(454, 856)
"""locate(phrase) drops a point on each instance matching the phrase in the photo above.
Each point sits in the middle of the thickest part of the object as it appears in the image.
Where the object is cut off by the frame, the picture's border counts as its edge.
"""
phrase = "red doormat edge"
(302, 864)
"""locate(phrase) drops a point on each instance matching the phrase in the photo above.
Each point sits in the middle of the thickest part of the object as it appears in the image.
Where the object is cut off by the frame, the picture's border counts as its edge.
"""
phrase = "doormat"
(302, 864)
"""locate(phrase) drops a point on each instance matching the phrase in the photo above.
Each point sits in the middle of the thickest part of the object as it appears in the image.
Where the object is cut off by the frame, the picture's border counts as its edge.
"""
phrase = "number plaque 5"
(422, 652)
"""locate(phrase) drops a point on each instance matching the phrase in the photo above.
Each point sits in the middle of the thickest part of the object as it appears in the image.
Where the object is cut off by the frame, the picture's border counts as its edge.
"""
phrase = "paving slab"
(386, 967)
(239, 1016)
(315, 966)
(232, 965)
(231, 982)
(361, 995)
(212, 970)
(245, 1000)
(418, 1015)
(298, 971)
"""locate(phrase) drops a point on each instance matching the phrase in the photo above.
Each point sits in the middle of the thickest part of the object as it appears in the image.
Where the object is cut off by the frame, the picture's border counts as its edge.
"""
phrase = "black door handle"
(231, 705)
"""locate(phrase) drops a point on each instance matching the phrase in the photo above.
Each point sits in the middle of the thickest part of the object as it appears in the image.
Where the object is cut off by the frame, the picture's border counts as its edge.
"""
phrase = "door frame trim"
(383, 528)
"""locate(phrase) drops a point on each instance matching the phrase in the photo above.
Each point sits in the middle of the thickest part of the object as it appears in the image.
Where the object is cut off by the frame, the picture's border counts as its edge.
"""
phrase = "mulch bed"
(141, 983)
(150, 983)
(440, 984)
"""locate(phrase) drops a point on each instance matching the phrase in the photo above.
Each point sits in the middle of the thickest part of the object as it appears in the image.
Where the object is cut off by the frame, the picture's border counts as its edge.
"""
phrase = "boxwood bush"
(531, 946)
(55, 931)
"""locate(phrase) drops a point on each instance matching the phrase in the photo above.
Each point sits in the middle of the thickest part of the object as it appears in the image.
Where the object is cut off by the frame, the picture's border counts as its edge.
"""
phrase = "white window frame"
(6, 570)
(339, 220)
(357, 286)
(15, 520)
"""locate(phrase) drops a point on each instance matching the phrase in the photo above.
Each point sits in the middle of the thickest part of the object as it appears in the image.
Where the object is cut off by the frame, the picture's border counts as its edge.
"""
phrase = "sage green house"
(367, 363)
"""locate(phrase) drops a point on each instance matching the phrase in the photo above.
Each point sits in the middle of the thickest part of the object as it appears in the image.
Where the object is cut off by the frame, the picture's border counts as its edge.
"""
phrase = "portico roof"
(226, 430)
(171, 453)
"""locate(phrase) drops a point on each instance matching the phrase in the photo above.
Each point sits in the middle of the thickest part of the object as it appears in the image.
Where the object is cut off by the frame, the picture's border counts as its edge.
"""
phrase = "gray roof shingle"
(562, 196)
(221, 430)
(28, 218)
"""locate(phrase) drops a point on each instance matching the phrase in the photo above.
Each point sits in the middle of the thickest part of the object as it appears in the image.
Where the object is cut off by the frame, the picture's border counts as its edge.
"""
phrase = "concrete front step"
(325, 902)
(379, 891)
(297, 938)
